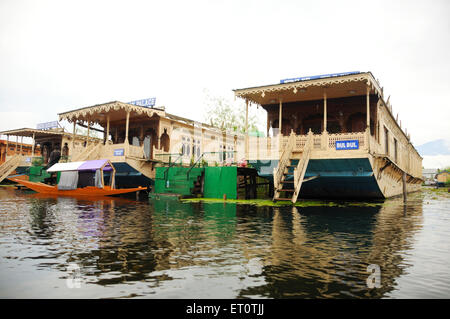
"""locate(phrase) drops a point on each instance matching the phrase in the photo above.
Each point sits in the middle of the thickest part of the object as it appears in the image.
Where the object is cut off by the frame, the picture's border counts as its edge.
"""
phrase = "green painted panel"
(220, 181)
(177, 180)
(37, 174)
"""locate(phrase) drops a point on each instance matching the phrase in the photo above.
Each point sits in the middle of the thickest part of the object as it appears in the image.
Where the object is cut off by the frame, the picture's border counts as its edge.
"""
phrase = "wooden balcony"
(324, 145)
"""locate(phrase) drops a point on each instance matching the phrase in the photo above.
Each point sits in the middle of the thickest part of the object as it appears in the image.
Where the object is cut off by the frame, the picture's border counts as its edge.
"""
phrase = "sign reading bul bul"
(347, 145)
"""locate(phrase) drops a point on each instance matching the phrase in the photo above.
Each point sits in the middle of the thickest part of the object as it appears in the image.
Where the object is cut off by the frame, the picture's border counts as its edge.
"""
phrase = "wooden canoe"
(85, 191)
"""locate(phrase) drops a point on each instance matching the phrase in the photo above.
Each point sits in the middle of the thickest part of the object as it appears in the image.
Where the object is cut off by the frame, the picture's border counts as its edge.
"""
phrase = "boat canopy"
(94, 165)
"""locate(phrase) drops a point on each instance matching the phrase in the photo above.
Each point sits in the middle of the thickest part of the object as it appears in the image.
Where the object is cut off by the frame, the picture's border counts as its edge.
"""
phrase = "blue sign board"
(118, 152)
(47, 125)
(315, 77)
(145, 102)
(347, 145)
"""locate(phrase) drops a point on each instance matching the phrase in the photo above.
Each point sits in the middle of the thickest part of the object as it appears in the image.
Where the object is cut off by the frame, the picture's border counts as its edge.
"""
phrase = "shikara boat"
(80, 179)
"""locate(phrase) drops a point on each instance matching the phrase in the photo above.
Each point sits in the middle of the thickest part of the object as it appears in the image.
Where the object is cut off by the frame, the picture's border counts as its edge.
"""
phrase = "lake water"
(62, 247)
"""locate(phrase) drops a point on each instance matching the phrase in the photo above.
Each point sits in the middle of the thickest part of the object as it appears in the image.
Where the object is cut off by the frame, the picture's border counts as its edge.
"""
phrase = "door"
(147, 147)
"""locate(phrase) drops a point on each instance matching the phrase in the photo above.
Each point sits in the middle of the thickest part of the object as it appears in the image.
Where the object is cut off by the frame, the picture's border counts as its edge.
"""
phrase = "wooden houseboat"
(138, 138)
(11, 149)
(332, 136)
(46, 140)
(329, 136)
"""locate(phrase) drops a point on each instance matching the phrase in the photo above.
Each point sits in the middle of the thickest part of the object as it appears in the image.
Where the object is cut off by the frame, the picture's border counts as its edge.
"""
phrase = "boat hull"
(85, 191)
(127, 176)
(347, 178)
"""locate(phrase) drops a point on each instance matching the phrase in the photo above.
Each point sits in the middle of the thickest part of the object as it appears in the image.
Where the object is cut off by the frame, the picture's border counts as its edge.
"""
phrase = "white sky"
(60, 55)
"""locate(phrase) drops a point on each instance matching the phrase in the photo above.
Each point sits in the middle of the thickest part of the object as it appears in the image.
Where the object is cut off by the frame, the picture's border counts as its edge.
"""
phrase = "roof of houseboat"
(30, 131)
(97, 113)
(311, 88)
(82, 166)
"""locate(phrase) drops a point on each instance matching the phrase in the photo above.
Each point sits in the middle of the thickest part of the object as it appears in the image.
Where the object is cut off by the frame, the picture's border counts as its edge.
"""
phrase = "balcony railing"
(270, 147)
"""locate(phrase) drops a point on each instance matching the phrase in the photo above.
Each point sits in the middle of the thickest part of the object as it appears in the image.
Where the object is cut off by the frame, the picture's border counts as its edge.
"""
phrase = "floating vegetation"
(299, 203)
(434, 193)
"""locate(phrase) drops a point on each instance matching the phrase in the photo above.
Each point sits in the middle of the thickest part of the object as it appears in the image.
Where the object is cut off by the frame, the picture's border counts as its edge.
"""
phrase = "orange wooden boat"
(84, 191)
(67, 186)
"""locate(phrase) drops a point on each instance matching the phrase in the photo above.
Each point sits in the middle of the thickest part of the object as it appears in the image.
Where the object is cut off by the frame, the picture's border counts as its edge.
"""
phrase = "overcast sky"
(56, 56)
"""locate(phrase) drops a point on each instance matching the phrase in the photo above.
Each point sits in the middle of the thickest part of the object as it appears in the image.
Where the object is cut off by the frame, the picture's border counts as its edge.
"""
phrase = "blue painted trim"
(338, 178)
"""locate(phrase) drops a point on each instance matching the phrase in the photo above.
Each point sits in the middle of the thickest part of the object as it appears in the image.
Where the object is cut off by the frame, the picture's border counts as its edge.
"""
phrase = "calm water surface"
(123, 248)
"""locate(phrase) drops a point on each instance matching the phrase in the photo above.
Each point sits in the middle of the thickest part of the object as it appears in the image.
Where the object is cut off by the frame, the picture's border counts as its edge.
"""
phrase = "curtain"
(98, 179)
(68, 180)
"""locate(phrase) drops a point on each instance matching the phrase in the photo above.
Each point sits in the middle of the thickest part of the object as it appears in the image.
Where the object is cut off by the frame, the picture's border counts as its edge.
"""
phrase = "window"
(224, 154)
(198, 148)
(378, 132)
(386, 141)
(395, 150)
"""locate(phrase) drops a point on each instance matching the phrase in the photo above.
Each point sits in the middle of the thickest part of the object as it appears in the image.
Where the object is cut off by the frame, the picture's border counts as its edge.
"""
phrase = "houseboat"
(328, 136)
(138, 137)
(49, 145)
(10, 149)
(331, 136)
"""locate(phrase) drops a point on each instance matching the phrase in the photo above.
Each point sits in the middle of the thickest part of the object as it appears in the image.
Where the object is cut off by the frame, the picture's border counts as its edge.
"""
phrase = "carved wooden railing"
(333, 138)
(300, 170)
(89, 151)
(284, 161)
(135, 151)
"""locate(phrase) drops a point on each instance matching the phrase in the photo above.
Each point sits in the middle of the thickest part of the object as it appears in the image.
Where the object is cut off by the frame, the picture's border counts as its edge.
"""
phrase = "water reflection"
(324, 251)
(194, 250)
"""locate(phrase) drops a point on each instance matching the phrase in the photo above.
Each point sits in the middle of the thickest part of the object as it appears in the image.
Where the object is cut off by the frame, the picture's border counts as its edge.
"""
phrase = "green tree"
(227, 115)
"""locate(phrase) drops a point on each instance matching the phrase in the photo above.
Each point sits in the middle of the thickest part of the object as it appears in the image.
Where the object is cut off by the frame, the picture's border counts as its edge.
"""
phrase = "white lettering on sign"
(347, 145)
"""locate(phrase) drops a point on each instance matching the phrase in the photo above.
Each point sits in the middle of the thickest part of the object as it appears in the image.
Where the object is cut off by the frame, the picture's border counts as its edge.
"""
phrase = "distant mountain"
(437, 147)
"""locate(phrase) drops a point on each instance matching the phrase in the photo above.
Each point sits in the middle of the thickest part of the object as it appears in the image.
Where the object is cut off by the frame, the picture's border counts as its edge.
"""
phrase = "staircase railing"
(166, 171)
(201, 156)
(86, 153)
(300, 170)
(10, 165)
(193, 164)
(284, 161)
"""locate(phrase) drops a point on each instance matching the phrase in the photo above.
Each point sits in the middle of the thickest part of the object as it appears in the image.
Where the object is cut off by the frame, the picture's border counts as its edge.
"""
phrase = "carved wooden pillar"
(32, 147)
(73, 135)
(107, 129)
(7, 145)
(280, 116)
(368, 109)
(88, 127)
(246, 129)
(127, 124)
(324, 111)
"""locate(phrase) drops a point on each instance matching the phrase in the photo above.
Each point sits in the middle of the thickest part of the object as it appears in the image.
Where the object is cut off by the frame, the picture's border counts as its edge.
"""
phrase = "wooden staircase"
(300, 170)
(288, 176)
(9, 166)
(86, 155)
